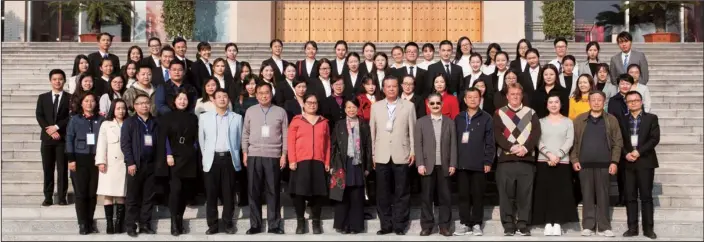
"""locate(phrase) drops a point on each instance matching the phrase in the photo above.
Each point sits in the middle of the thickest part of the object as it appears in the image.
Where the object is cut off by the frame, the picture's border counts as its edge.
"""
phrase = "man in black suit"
(411, 68)
(529, 79)
(160, 74)
(201, 69)
(339, 66)
(180, 48)
(155, 51)
(475, 61)
(277, 47)
(641, 133)
(95, 58)
(451, 72)
(52, 115)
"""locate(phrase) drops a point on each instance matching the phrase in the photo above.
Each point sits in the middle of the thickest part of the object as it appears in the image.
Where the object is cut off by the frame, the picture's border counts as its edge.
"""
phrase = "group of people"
(161, 128)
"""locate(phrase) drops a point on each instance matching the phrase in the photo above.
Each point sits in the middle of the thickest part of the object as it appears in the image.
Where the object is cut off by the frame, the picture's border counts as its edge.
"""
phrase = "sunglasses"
(435, 103)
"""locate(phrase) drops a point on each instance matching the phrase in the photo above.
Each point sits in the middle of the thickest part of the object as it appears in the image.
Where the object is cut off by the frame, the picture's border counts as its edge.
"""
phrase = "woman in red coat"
(367, 96)
(309, 157)
(450, 105)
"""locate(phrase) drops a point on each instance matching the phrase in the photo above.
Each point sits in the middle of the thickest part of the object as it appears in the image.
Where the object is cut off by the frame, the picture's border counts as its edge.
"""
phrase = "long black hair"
(518, 48)
(172, 102)
(77, 61)
(129, 52)
(113, 106)
(458, 53)
(206, 97)
(488, 54)
(111, 93)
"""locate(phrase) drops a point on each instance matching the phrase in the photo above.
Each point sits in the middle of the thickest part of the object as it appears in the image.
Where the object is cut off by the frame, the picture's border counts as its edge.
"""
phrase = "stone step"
(328, 236)
(669, 105)
(682, 113)
(199, 226)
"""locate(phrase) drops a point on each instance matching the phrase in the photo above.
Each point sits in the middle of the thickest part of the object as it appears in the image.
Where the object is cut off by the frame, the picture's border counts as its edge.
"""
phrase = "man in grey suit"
(620, 61)
(436, 147)
(392, 124)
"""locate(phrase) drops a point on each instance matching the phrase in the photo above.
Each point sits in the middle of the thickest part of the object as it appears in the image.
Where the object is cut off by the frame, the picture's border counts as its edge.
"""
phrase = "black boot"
(120, 218)
(301, 226)
(82, 229)
(108, 219)
(174, 226)
(317, 228)
(180, 224)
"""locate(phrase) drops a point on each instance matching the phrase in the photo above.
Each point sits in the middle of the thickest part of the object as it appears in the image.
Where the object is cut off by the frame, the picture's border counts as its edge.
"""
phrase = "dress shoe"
(275, 231)
(229, 228)
(445, 232)
(174, 226)
(212, 230)
(47, 202)
(400, 232)
(63, 202)
(426, 232)
(650, 234)
(146, 229)
(82, 229)
(254, 230)
(340, 231)
(383, 232)
(317, 227)
(630, 233)
(301, 226)
(132, 232)
(92, 229)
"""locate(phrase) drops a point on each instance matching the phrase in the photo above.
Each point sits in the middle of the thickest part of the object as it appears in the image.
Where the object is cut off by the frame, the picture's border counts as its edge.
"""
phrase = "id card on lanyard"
(147, 137)
(465, 134)
(90, 136)
(265, 127)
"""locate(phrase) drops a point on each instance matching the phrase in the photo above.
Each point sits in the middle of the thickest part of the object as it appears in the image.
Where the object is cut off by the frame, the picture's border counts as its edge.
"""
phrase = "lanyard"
(468, 121)
(392, 114)
(90, 125)
(265, 113)
(143, 123)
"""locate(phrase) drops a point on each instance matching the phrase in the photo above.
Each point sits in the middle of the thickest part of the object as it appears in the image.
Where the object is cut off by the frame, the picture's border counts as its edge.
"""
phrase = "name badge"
(265, 131)
(90, 138)
(634, 140)
(389, 125)
(465, 137)
(148, 140)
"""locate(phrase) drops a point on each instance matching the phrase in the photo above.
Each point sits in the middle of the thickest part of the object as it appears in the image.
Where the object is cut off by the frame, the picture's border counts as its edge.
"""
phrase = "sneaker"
(477, 230)
(556, 230)
(587, 232)
(548, 230)
(509, 232)
(465, 230)
(606, 233)
(523, 232)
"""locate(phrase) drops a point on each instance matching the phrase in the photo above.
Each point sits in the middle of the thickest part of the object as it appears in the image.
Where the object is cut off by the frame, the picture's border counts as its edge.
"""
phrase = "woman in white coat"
(111, 164)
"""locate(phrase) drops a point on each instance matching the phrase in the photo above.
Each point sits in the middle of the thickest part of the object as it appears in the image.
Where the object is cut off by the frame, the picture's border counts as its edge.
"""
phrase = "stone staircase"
(676, 82)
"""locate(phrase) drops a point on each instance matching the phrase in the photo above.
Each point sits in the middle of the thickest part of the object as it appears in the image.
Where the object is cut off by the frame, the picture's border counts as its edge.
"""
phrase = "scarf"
(353, 145)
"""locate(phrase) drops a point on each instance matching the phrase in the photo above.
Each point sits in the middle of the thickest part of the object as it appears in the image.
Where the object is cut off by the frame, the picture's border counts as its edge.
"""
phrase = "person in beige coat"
(392, 124)
(111, 164)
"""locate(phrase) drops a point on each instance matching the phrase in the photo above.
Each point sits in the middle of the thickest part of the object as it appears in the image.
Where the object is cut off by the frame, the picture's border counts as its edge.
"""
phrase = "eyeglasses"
(325, 69)
(141, 103)
(408, 84)
(312, 103)
(434, 103)
(633, 101)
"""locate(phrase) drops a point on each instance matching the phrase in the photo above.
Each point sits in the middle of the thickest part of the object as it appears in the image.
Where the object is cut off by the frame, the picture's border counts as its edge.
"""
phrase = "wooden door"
(293, 21)
(429, 21)
(361, 21)
(395, 21)
(464, 18)
(326, 21)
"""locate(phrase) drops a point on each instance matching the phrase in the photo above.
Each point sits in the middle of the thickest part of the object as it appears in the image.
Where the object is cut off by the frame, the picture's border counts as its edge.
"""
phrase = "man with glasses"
(560, 44)
(264, 155)
(155, 52)
(436, 147)
(641, 134)
(410, 67)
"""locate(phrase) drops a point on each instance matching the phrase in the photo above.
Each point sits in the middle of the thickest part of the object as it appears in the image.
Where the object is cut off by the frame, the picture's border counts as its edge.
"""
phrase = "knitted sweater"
(516, 127)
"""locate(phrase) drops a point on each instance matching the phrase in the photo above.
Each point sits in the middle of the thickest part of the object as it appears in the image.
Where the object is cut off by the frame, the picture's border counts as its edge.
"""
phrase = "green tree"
(558, 18)
(655, 12)
(97, 12)
(179, 17)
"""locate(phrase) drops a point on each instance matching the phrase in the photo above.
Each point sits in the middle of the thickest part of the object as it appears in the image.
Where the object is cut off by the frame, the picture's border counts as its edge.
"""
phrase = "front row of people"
(392, 142)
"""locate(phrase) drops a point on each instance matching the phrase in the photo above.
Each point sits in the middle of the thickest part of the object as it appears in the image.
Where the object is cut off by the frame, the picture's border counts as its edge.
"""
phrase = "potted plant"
(179, 18)
(558, 19)
(98, 13)
(656, 12)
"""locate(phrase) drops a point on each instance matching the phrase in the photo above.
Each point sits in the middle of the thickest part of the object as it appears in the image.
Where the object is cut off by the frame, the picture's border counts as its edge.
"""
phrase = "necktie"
(105, 56)
(411, 72)
(447, 69)
(166, 75)
(625, 63)
(56, 105)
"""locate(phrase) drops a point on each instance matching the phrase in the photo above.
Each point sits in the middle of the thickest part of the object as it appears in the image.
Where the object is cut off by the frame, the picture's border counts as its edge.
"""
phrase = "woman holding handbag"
(351, 162)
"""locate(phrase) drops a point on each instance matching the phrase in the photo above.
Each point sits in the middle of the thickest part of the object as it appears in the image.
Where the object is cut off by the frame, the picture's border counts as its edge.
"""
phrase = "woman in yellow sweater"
(579, 101)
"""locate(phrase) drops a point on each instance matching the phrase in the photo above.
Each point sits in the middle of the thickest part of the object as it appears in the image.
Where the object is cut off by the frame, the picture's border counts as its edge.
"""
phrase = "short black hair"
(626, 78)
(228, 45)
(558, 40)
(352, 100)
(263, 84)
(311, 43)
(534, 51)
(602, 94)
(271, 43)
(167, 48)
(624, 37)
(472, 89)
(396, 48)
(203, 46)
(178, 40)
(134, 101)
(100, 35)
(475, 54)
(221, 90)
(143, 66)
(154, 38)
(341, 42)
(428, 46)
(446, 42)
(569, 57)
(176, 62)
(629, 93)
(57, 71)
(410, 44)
(367, 44)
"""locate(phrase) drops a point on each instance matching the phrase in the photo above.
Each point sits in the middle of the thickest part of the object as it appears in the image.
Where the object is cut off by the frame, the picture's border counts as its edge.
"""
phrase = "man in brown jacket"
(599, 135)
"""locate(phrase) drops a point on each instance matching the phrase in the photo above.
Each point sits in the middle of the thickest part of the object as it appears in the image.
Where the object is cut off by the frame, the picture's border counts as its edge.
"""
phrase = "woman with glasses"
(322, 86)
(500, 100)
(464, 50)
(520, 64)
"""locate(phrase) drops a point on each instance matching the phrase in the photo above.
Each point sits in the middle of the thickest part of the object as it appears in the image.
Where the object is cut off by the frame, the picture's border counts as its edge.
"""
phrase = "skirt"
(553, 197)
(309, 179)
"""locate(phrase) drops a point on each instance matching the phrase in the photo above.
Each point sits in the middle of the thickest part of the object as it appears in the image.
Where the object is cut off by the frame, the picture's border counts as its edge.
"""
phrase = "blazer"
(527, 83)
(150, 62)
(419, 77)
(278, 74)
(158, 76)
(648, 139)
(572, 85)
(419, 103)
(77, 135)
(293, 108)
(398, 144)
(539, 102)
(378, 81)
(452, 80)
(357, 87)
(614, 140)
(315, 86)
(333, 66)
(363, 67)
(207, 133)
(302, 70)
(238, 72)
(94, 60)
(331, 111)
(109, 152)
(284, 92)
(425, 143)
(45, 115)
(636, 57)
(200, 74)
(516, 66)
(467, 83)
(584, 68)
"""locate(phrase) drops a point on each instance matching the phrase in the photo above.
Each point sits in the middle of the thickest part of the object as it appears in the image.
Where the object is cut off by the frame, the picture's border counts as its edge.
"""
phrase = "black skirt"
(308, 179)
(553, 199)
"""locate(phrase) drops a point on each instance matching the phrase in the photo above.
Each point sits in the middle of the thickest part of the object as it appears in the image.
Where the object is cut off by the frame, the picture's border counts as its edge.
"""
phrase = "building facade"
(328, 21)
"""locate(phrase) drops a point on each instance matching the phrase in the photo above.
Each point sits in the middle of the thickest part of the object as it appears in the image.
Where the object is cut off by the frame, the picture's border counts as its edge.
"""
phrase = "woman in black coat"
(294, 106)
(334, 106)
(349, 167)
(179, 131)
